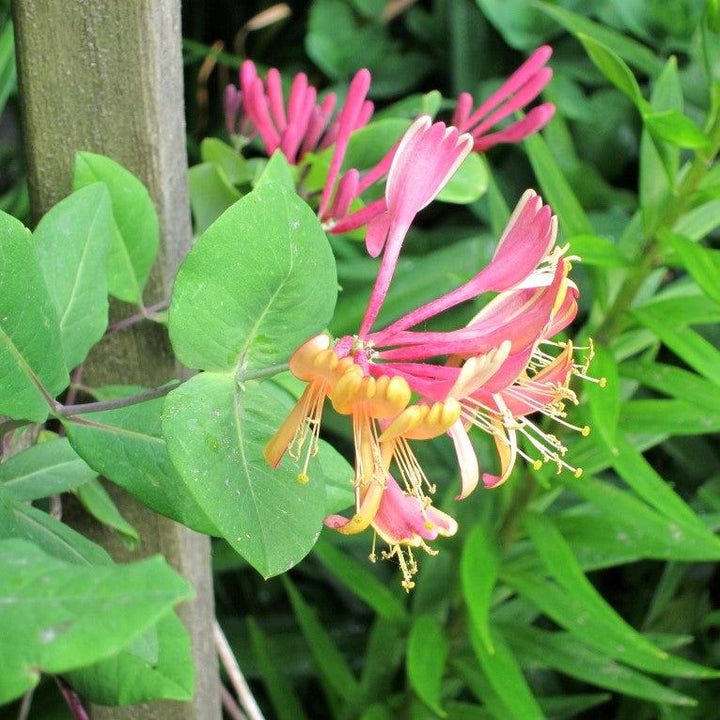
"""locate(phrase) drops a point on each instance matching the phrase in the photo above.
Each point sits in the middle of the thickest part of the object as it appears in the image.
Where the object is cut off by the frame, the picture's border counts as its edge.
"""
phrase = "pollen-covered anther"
(381, 397)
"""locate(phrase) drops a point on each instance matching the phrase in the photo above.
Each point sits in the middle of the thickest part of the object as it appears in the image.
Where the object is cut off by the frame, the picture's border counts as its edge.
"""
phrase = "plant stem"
(227, 658)
(230, 705)
(69, 410)
(26, 704)
(72, 700)
(146, 313)
(262, 372)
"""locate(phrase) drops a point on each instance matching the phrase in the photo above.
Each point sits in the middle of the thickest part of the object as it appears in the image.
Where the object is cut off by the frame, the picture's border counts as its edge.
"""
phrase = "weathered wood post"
(106, 76)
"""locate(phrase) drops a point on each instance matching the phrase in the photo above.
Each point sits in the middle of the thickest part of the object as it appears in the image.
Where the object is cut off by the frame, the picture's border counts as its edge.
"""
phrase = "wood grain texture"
(106, 76)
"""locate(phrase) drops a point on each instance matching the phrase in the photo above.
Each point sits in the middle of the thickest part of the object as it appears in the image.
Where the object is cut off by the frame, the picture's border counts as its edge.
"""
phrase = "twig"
(225, 653)
(72, 699)
(26, 705)
(69, 410)
(231, 707)
(146, 313)
(262, 372)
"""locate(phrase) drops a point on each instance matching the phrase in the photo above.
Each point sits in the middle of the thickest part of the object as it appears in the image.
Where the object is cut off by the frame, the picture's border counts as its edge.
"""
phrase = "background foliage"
(560, 597)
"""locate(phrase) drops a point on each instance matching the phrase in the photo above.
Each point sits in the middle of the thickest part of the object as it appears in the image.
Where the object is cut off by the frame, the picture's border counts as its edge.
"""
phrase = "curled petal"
(467, 459)
(366, 513)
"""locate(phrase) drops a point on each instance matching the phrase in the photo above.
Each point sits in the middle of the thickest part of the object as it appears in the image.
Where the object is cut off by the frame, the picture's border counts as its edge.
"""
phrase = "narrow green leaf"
(8, 74)
(140, 674)
(329, 660)
(605, 400)
(284, 700)
(649, 485)
(259, 282)
(56, 615)
(661, 537)
(590, 624)
(598, 251)
(674, 381)
(702, 263)
(699, 222)
(127, 446)
(675, 128)
(215, 437)
(673, 417)
(73, 242)
(134, 247)
(630, 50)
(361, 582)
(556, 190)
(31, 361)
(48, 468)
(684, 342)
(426, 654)
(614, 69)
(478, 573)
(95, 499)
(505, 677)
(562, 652)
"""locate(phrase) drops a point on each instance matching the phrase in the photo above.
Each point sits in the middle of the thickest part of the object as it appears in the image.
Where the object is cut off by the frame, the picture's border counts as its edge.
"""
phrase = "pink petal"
(462, 111)
(257, 109)
(359, 218)
(346, 122)
(346, 193)
(318, 123)
(275, 96)
(232, 99)
(376, 234)
(297, 126)
(402, 519)
(537, 118)
(248, 75)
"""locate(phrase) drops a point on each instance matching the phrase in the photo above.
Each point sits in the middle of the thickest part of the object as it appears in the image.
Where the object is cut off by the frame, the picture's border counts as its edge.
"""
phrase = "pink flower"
(521, 88)
(300, 125)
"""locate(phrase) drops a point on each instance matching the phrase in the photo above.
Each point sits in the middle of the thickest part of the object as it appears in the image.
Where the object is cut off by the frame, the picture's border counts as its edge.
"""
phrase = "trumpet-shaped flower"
(521, 88)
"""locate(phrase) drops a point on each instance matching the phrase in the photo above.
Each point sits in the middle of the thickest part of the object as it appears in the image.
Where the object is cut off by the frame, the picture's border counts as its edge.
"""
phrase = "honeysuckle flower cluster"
(303, 125)
(401, 384)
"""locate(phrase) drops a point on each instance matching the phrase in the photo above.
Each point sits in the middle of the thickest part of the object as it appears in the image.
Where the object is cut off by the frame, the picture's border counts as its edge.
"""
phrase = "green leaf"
(630, 50)
(49, 468)
(556, 190)
(134, 247)
(258, 282)
(614, 69)
(284, 700)
(649, 485)
(73, 241)
(674, 417)
(564, 653)
(31, 361)
(358, 579)
(702, 263)
(478, 572)
(136, 675)
(656, 535)
(328, 659)
(95, 499)
(575, 611)
(697, 352)
(8, 74)
(21, 521)
(505, 677)
(469, 182)
(427, 651)
(598, 251)
(278, 171)
(126, 446)
(700, 221)
(58, 617)
(227, 159)
(210, 194)
(674, 381)
(215, 436)
(676, 128)
(605, 400)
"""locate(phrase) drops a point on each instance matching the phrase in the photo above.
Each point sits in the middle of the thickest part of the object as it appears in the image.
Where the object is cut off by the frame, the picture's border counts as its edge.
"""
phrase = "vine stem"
(262, 372)
(61, 410)
(72, 699)
(146, 313)
(230, 705)
(242, 689)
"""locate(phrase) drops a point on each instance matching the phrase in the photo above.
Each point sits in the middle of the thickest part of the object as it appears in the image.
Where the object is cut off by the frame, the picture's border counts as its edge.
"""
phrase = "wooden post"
(106, 76)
